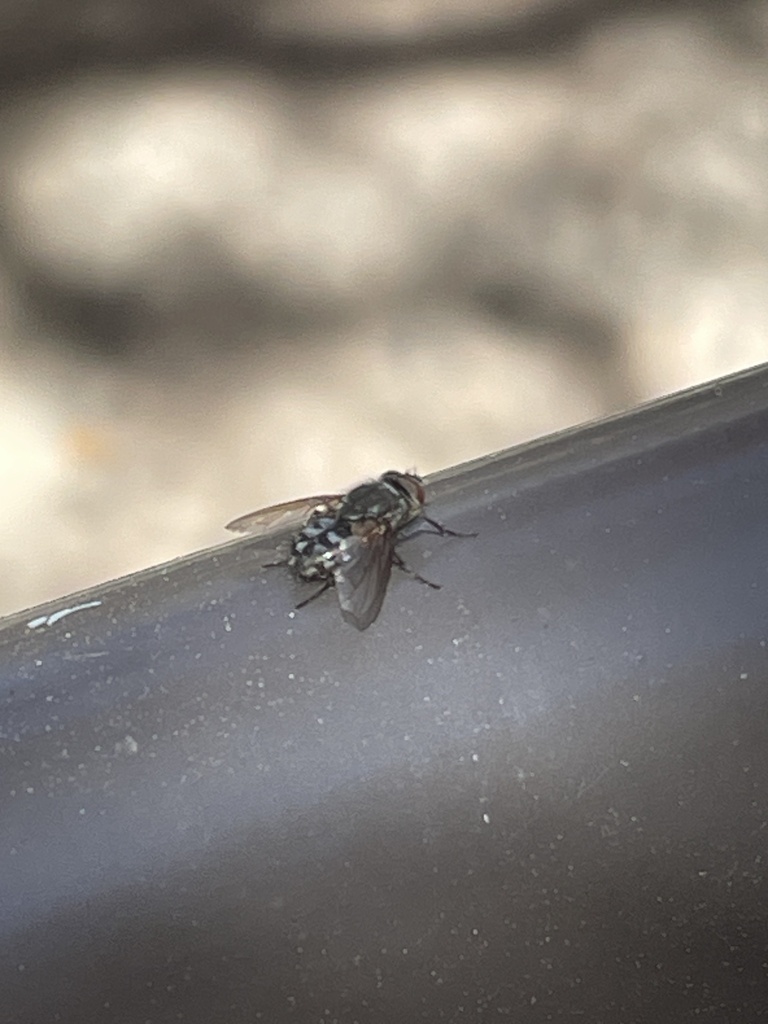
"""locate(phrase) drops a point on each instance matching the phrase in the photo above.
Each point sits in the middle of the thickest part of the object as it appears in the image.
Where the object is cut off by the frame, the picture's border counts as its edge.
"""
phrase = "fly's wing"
(285, 516)
(363, 570)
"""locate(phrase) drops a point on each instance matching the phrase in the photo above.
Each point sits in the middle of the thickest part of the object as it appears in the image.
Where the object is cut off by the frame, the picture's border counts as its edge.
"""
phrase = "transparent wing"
(284, 516)
(363, 571)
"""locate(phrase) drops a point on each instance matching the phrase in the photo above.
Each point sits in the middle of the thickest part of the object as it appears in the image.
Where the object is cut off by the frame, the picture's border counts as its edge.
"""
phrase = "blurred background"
(254, 250)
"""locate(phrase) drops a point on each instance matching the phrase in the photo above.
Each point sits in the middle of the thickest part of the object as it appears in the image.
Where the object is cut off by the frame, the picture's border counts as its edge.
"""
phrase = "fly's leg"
(397, 560)
(287, 561)
(328, 583)
(441, 530)
(437, 527)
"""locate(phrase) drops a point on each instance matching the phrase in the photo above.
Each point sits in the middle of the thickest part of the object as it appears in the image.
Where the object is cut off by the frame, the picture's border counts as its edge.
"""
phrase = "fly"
(349, 540)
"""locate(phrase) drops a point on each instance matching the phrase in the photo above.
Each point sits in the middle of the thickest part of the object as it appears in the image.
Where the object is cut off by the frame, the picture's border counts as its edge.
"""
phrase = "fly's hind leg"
(307, 600)
(397, 560)
(286, 559)
(328, 583)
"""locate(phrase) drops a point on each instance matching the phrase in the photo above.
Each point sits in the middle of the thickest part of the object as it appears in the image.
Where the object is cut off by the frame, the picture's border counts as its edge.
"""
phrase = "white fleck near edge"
(50, 620)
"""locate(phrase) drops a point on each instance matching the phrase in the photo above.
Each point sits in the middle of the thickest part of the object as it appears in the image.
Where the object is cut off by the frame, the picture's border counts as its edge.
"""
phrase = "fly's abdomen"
(316, 549)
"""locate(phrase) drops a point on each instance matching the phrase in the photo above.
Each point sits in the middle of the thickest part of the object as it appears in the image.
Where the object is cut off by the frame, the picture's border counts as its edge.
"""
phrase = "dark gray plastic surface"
(539, 794)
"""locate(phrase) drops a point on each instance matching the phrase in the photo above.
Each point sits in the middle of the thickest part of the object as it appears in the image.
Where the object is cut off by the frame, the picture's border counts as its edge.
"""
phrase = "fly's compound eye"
(409, 485)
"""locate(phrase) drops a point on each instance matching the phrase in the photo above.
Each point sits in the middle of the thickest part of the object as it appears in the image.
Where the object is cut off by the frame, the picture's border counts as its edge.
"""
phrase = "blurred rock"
(231, 280)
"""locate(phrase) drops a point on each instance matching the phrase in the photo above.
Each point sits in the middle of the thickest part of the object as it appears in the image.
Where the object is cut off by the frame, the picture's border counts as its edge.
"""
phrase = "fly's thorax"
(369, 501)
(395, 498)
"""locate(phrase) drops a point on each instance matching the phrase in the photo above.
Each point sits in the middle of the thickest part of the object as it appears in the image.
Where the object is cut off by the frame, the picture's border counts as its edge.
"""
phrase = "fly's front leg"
(397, 560)
(437, 528)
(441, 530)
